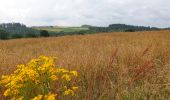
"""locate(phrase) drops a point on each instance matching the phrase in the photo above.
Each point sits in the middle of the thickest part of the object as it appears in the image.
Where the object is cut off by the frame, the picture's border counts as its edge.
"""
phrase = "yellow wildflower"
(38, 75)
(74, 88)
(39, 97)
(74, 73)
(65, 87)
(10, 92)
(5, 79)
(54, 77)
(62, 70)
(50, 96)
(66, 77)
(7, 92)
(69, 92)
(21, 98)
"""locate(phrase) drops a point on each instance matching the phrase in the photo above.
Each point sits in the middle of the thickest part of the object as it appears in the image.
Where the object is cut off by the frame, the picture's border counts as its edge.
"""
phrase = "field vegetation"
(110, 66)
(63, 29)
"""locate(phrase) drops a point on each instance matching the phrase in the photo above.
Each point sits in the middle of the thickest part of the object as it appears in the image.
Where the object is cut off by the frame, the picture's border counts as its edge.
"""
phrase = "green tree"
(3, 35)
(15, 36)
(31, 35)
(44, 33)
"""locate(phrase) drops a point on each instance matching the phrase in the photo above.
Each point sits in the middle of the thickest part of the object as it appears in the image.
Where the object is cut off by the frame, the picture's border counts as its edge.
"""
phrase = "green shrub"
(4, 35)
(44, 33)
(15, 36)
(31, 35)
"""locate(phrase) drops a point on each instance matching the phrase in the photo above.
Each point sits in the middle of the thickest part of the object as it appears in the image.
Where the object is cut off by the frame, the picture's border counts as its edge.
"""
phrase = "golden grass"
(122, 66)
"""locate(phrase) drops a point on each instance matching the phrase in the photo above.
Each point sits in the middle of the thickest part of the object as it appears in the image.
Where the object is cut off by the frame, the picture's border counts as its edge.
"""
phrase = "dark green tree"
(15, 36)
(31, 35)
(3, 35)
(129, 30)
(44, 33)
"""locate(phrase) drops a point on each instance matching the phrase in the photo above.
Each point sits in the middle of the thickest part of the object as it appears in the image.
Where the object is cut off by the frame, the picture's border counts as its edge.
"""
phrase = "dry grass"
(121, 66)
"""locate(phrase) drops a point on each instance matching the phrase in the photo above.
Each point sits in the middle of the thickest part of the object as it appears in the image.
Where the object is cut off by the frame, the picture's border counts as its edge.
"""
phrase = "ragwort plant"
(36, 81)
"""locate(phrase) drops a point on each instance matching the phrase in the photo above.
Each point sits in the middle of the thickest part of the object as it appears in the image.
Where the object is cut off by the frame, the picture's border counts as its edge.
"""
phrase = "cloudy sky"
(93, 12)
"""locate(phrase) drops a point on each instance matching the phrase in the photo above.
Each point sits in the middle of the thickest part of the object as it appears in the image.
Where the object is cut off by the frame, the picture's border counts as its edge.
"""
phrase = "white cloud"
(78, 12)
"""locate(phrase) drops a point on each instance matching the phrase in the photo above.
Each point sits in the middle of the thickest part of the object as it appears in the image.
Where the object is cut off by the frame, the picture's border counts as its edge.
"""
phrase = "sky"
(154, 13)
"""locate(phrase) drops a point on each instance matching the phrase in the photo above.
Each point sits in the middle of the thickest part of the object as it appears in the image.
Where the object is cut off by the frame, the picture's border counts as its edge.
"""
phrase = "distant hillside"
(88, 29)
(17, 28)
(86, 26)
(122, 28)
(167, 28)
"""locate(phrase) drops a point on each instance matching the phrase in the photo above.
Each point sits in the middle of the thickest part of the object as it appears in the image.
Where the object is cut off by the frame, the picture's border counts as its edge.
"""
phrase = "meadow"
(110, 66)
(63, 29)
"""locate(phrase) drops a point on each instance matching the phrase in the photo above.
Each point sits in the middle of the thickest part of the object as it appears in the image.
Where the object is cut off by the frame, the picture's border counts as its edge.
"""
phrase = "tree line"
(17, 30)
(122, 28)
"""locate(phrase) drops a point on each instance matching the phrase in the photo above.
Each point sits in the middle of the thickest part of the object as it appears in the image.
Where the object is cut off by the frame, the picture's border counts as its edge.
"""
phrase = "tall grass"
(120, 66)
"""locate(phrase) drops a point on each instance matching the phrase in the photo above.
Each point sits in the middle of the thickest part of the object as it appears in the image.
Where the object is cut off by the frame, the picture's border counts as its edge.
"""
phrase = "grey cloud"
(94, 12)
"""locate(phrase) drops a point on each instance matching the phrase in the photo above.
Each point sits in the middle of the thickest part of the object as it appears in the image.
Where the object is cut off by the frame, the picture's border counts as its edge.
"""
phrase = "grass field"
(64, 29)
(111, 66)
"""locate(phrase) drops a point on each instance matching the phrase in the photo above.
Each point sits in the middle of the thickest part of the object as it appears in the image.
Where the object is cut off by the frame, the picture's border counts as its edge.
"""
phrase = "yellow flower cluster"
(35, 80)
(70, 91)
(49, 96)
